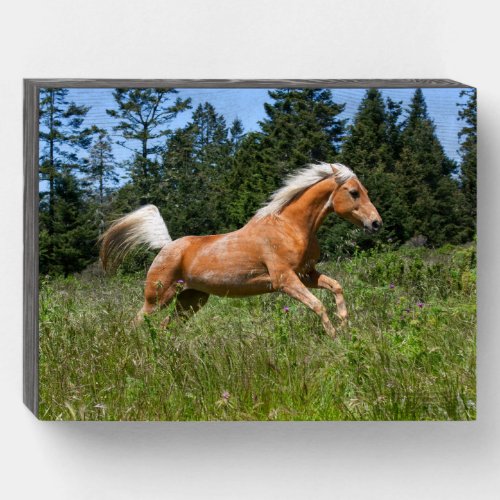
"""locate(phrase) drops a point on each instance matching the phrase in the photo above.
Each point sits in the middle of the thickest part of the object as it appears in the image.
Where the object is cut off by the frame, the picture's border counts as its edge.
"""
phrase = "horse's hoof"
(343, 321)
(165, 322)
(330, 331)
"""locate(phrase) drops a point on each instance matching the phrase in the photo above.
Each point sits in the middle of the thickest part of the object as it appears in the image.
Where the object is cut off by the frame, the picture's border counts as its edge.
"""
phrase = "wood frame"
(31, 156)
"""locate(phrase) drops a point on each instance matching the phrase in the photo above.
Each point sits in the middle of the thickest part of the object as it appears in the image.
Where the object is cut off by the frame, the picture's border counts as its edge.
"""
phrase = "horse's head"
(351, 202)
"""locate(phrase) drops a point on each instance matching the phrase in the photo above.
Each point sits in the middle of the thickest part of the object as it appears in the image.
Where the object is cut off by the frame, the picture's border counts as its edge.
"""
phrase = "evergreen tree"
(211, 144)
(214, 145)
(178, 182)
(424, 184)
(394, 138)
(468, 152)
(72, 246)
(65, 231)
(60, 137)
(196, 164)
(366, 147)
(101, 165)
(249, 181)
(371, 149)
(236, 134)
(143, 115)
(100, 170)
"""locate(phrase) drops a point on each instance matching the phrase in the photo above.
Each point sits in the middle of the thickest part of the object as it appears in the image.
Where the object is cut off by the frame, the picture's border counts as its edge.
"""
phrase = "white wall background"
(247, 39)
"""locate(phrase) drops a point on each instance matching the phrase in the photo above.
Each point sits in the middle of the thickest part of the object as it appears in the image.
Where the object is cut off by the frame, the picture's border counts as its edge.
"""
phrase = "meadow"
(408, 352)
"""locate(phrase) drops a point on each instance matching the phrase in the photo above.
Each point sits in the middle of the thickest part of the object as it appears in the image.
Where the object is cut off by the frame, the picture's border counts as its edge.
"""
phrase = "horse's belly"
(230, 284)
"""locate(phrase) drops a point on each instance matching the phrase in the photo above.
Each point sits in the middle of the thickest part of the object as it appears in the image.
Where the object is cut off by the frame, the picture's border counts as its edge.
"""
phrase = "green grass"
(248, 359)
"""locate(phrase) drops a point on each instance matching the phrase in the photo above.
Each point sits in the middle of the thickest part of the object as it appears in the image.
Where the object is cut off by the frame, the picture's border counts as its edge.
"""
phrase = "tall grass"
(407, 354)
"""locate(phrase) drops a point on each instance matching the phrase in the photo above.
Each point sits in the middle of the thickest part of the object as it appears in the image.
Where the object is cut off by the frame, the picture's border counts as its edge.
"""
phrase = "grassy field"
(407, 354)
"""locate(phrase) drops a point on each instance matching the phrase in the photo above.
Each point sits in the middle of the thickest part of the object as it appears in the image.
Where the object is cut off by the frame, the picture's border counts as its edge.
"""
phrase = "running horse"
(275, 251)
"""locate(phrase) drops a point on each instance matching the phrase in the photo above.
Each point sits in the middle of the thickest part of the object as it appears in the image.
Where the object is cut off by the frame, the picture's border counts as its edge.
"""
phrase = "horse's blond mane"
(298, 182)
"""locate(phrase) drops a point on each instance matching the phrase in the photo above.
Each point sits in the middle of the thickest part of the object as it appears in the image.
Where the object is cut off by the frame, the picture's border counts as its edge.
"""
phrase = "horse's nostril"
(375, 224)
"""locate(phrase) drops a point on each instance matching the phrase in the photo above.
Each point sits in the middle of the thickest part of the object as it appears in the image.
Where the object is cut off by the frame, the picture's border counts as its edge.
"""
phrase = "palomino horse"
(275, 251)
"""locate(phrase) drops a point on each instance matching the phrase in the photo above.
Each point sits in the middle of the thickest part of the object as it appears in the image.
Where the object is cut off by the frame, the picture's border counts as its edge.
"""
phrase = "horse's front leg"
(317, 280)
(289, 283)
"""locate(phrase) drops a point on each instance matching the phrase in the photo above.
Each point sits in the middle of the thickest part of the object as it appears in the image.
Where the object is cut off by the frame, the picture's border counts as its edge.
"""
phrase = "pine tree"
(65, 232)
(178, 167)
(100, 169)
(393, 112)
(249, 182)
(468, 152)
(75, 229)
(371, 148)
(236, 134)
(60, 138)
(214, 147)
(196, 164)
(424, 181)
(366, 147)
(101, 165)
(143, 115)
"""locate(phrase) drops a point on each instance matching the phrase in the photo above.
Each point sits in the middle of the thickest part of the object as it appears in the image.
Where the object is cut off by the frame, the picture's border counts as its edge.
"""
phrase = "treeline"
(210, 176)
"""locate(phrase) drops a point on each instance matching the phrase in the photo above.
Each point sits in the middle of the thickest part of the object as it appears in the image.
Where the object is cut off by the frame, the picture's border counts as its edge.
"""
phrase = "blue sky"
(247, 105)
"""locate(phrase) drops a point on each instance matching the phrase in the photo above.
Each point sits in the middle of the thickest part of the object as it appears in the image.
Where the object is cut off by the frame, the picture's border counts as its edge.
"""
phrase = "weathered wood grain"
(30, 292)
(236, 83)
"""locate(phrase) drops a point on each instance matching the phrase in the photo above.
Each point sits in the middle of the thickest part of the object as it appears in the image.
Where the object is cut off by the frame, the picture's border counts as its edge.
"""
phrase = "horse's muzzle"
(373, 226)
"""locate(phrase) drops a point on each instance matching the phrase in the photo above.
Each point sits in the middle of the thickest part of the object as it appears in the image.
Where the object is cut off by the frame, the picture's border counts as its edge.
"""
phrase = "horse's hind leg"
(188, 303)
(154, 299)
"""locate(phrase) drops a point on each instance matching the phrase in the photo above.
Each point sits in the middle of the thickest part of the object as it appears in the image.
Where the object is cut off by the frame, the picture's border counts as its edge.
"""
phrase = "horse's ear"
(335, 169)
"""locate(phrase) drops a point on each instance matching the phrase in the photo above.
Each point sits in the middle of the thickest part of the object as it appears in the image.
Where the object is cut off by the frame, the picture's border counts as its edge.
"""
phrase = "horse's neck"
(309, 210)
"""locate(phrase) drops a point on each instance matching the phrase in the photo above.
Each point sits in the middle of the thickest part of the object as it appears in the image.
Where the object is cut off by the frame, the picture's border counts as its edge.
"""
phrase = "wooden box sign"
(250, 250)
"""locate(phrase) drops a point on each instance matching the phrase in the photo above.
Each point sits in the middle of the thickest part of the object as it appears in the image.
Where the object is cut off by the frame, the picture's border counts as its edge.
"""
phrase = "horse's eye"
(354, 193)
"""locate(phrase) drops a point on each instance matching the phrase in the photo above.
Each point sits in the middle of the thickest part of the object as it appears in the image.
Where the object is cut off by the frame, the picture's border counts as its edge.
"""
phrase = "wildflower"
(224, 400)
(181, 282)
(420, 304)
(286, 309)
(391, 286)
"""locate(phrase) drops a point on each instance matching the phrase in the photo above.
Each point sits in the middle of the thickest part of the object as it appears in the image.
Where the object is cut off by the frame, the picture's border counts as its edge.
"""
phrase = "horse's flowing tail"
(144, 227)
